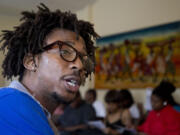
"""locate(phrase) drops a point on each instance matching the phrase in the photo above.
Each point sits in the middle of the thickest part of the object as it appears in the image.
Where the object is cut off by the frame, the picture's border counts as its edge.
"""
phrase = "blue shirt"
(20, 114)
(177, 108)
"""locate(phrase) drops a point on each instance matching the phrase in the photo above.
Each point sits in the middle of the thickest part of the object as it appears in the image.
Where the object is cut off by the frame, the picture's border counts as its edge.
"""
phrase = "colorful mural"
(140, 58)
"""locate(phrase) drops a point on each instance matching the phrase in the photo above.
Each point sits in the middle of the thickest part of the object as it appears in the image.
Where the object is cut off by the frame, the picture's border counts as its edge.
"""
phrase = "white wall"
(6, 23)
(115, 16)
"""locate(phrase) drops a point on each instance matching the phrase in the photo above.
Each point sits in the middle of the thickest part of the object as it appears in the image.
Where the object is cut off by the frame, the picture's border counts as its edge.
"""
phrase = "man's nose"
(77, 64)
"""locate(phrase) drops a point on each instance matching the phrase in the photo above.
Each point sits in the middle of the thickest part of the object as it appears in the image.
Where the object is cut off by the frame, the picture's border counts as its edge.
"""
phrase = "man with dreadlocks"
(51, 53)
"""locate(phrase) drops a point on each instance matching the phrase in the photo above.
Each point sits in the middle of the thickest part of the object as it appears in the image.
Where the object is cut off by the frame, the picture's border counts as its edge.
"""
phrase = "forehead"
(111, 103)
(155, 98)
(64, 35)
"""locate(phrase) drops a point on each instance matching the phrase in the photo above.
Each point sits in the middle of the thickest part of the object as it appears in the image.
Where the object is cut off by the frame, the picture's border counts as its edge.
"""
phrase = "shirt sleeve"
(134, 112)
(99, 109)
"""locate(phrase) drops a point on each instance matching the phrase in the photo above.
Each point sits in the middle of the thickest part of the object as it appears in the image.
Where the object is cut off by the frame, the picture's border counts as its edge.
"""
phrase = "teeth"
(72, 84)
(73, 81)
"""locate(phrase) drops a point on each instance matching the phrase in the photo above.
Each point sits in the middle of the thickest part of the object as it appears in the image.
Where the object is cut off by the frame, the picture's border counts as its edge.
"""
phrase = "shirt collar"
(19, 86)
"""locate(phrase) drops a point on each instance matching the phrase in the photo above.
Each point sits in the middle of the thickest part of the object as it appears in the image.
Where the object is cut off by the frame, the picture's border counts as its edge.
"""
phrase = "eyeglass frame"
(60, 44)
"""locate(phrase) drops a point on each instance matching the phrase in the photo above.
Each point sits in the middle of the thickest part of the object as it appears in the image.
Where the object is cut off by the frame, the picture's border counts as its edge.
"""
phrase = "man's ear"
(30, 62)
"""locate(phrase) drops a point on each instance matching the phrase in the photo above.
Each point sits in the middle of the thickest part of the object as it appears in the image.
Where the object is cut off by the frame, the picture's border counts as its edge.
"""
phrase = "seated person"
(58, 112)
(99, 108)
(169, 88)
(117, 117)
(127, 102)
(163, 119)
(75, 118)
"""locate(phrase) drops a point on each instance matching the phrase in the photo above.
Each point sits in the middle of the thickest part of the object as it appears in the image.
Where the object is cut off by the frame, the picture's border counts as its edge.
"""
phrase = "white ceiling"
(14, 7)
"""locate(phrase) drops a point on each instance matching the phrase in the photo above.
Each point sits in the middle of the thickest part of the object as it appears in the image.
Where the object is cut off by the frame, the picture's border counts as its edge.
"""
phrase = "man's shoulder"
(6, 91)
(87, 107)
(19, 107)
(8, 94)
(13, 98)
(84, 104)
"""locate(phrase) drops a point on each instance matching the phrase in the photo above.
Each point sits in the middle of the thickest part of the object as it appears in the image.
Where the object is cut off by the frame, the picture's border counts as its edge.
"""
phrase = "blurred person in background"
(166, 89)
(58, 112)
(91, 98)
(74, 120)
(117, 119)
(127, 102)
(163, 119)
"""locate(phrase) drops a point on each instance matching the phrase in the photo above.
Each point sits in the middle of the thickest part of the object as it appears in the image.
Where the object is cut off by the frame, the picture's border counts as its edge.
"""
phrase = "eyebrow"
(73, 44)
(69, 42)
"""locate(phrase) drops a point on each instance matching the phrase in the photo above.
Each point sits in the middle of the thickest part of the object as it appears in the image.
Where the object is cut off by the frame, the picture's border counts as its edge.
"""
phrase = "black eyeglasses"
(70, 54)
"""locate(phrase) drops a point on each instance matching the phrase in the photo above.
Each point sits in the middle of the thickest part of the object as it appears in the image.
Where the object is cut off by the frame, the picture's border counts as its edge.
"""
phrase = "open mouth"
(72, 84)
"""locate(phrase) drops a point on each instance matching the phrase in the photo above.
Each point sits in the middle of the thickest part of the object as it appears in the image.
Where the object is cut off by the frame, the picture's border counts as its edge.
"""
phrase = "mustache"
(77, 73)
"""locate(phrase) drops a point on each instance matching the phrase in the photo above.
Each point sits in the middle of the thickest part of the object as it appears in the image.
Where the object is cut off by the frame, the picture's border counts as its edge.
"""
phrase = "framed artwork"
(140, 58)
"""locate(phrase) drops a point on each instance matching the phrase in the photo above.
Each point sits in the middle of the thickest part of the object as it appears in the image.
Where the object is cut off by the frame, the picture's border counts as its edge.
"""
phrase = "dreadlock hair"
(29, 37)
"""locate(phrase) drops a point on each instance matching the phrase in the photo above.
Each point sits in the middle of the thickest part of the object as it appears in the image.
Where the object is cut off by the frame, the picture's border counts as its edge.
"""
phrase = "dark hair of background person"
(164, 91)
(92, 92)
(126, 97)
(29, 37)
(112, 96)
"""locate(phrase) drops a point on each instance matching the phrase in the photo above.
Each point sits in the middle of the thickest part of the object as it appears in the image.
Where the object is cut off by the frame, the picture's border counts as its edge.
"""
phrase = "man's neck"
(33, 88)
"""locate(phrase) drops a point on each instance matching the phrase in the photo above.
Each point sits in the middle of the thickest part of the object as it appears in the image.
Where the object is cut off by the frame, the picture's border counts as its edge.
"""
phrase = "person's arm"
(127, 119)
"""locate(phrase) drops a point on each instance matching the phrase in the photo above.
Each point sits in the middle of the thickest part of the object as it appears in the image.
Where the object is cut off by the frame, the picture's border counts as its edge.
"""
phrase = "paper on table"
(121, 130)
(98, 124)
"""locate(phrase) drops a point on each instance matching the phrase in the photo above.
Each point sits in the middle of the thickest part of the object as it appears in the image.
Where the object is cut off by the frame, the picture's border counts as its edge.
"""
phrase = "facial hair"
(59, 99)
